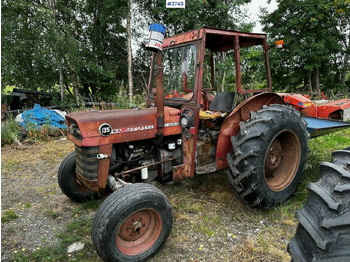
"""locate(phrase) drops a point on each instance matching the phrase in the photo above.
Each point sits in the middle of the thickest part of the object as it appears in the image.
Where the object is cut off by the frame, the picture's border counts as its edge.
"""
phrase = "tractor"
(187, 127)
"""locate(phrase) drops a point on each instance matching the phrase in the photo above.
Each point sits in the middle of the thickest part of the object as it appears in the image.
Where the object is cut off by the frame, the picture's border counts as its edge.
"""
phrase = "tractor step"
(320, 126)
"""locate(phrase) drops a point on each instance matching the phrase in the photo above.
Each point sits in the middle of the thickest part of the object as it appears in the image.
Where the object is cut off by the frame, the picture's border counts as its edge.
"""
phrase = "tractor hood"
(94, 128)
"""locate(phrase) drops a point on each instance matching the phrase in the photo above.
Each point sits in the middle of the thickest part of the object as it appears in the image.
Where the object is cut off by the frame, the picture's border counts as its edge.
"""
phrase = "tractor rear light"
(279, 44)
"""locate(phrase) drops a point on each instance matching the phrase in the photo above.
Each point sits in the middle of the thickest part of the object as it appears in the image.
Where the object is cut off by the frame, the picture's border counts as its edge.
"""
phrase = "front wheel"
(132, 224)
(268, 156)
(68, 182)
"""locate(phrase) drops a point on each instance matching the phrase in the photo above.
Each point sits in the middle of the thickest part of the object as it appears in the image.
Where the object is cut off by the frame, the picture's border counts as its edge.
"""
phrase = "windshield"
(179, 72)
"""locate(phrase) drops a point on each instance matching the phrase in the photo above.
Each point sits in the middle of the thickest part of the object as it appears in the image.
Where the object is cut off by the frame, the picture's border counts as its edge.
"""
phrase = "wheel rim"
(139, 232)
(282, 160)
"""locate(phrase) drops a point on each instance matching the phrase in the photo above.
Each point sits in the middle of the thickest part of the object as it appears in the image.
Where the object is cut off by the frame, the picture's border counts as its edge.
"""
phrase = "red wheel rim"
(139, 232)
(282, 160)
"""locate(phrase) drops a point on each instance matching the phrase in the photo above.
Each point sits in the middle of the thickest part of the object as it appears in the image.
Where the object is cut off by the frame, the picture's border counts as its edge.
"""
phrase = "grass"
(8, 215)
(207, 215)
(49, 212)
(77, 230)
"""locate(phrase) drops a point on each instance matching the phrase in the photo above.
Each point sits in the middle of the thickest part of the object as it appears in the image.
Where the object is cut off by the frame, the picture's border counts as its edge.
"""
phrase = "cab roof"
(217, 39)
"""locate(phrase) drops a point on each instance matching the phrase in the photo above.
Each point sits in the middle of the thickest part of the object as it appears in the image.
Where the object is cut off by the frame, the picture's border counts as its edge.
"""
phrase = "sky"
(253, 9)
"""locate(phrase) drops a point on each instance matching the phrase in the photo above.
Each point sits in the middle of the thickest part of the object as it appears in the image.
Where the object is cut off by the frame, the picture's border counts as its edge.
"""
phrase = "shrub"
(10, 132)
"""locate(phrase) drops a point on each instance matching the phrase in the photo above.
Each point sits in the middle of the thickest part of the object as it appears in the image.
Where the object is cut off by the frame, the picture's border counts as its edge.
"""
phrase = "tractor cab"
(191, 64)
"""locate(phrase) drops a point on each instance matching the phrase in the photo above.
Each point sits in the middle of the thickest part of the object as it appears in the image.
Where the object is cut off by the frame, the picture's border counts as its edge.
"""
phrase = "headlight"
(186, 121)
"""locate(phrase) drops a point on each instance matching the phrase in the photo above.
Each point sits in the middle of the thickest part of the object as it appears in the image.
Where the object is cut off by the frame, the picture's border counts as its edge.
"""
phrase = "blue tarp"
(41, 116)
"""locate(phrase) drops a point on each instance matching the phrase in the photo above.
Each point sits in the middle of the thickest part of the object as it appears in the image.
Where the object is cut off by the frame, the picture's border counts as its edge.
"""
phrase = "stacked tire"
(323, 233)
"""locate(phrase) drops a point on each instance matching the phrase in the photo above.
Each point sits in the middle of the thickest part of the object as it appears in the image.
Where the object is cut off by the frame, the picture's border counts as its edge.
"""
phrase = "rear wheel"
(132, 224)
(68, 182)
(323, 233)
(268, 156)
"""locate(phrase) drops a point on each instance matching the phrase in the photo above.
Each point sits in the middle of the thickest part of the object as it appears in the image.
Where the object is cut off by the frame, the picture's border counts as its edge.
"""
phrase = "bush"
(10, 132)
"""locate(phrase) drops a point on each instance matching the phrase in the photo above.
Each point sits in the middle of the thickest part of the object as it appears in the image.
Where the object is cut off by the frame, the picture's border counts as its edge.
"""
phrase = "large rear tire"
(132, 224)
(268, 156)
(68, 182)
(323, 233)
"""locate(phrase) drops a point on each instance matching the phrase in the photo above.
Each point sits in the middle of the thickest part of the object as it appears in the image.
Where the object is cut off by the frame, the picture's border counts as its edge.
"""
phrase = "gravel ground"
(210, 224)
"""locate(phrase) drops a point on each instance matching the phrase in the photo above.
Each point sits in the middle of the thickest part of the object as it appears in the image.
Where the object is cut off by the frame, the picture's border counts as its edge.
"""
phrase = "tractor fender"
(231, 127)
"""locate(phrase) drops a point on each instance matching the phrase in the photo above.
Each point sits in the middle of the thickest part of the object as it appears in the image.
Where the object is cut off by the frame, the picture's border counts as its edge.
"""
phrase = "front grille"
(86, 161)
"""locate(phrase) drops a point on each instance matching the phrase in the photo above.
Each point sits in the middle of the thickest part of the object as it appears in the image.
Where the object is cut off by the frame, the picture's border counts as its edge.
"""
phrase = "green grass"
(8, 215)
(206, 206)
(78, 230)
(49, 212)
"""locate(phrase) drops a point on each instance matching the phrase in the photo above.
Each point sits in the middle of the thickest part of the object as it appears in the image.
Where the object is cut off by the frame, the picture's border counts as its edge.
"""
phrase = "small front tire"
(132, 224)
(68, 182)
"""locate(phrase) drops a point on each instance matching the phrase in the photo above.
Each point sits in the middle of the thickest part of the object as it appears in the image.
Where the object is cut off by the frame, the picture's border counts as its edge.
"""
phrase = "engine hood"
(93, 128)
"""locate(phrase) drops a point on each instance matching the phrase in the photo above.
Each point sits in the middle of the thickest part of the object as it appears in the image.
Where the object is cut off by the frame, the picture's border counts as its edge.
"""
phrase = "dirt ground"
(210, 223)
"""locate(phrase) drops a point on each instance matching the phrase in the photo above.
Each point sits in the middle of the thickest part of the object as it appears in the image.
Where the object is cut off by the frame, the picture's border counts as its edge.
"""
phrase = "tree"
(78, 47)
(314, 32)
(26, 57)
(198, 13)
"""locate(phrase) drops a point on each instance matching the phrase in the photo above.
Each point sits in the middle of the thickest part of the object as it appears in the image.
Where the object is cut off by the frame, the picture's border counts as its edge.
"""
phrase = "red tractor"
(184, 130)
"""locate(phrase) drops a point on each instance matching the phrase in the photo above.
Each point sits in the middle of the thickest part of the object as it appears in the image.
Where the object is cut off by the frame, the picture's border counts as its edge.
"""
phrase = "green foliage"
(45, 41)
(9, 132)
(8, 215)
(316, 40)
(198, 13)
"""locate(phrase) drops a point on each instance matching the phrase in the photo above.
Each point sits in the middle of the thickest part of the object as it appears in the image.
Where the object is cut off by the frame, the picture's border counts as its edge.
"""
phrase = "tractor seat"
(222, 104)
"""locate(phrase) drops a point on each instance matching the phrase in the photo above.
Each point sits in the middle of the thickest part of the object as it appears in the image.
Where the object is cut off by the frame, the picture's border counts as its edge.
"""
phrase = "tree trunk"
(59, 52)
(75, 85)
(309, 74)
(223, 60)
(316, 80)
(130, 78)
(346, 63)
(121, 85)
(60, 72)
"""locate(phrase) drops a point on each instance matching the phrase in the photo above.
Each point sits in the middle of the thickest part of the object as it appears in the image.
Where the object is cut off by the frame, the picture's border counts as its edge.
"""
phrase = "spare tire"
(323, 233)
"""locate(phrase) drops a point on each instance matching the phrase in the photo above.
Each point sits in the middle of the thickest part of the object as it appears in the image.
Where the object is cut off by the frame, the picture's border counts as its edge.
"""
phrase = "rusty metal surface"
(238, 65)
(183, 38)
(282, 160)
(230, 127)
(103, 165)
(145, 166)
(267, 66)
(160, 95)
(129, 124)
(181, 172)
(90, 184)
